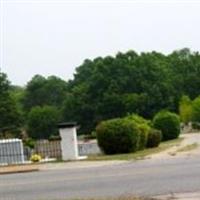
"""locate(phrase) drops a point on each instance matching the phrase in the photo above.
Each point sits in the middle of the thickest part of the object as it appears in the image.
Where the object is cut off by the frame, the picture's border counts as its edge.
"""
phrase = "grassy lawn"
(139, 154)
(189, 147)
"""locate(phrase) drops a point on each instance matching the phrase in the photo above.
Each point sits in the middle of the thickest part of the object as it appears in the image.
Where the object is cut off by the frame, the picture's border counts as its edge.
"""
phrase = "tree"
(196, 110)
(41, 91)
(17, 94)
(42, 122)
(185, 72)
(111, 87)
(185, 109)
(10, 118)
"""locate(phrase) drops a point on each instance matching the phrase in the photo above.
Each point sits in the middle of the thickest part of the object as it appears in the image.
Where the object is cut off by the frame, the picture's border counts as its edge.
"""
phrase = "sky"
(53, 37)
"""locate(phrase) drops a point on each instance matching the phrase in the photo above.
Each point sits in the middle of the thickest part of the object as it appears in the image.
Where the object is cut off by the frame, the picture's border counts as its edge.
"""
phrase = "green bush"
(154, 138)
(117, 136)
(29, 142)
(144, 127)
(185, 109)
(42, 122)
(138, 119)
(143, 136)
(196, 110)
(168, 123)
(196, 125)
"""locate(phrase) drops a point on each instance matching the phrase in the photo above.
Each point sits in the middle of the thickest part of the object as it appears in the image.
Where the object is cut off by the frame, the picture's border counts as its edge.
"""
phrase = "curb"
(17, 169)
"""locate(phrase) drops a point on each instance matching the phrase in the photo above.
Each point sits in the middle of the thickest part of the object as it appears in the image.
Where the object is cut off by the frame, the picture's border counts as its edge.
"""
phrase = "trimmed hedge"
(154, 138)
(144, 127)
(143, 136)
(138, 119)
(117, 136)
(168, 123)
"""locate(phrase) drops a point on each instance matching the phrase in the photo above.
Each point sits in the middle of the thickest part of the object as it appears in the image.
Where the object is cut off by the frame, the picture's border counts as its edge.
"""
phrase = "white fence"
(11, 151)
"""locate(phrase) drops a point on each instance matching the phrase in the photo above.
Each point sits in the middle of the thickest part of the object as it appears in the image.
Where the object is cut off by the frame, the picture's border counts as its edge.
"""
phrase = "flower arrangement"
(36, 158)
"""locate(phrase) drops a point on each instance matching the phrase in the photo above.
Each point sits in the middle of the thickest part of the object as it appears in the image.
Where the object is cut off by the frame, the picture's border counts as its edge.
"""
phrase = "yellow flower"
(35, 158)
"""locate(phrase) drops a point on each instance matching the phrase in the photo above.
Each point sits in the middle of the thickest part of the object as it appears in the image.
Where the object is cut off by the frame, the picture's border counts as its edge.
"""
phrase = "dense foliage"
(10, 118)
(118, 136)
(168, 123)
(196, 110)
(41, 91)
(154, 138)
(42, 122)
(144, 128)
(110, 87)
(185, 109)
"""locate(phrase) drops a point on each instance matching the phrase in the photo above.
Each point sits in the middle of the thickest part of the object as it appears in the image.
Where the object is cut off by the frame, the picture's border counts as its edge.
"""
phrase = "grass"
(139, 154)
(189, 147)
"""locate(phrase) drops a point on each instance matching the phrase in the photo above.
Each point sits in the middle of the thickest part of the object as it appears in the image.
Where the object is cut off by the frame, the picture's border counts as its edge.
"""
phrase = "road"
(144, 178)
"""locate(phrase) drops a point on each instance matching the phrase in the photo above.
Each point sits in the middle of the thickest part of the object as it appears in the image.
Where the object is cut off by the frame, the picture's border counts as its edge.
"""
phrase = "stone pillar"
(69, 144)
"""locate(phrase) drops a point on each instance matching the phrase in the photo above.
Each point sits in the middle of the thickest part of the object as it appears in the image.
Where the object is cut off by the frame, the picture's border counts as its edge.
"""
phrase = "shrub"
(143, 126)
(138, 119)
(196, 125)
(196, 110)
(168, 123)
(185, 109)
(143, 136)
(154, 138)
(42, 122)
(117, 136)
(29, 142)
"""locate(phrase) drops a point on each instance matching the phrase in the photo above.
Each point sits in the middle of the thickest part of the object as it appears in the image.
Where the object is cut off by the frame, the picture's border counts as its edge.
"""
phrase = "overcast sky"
(54, 37)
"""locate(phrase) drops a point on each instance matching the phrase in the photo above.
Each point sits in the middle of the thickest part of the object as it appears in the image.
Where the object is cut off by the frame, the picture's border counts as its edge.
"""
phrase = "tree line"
(102, 88)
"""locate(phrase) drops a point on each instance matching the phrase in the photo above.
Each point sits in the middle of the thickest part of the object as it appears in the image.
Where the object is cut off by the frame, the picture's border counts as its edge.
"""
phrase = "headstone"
(11, 151)
(89, 147)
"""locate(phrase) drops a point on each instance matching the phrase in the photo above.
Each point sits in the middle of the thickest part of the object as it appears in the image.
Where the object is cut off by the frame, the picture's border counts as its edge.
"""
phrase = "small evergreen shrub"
(143, 136)
(117, 136)
(138, 119)
(196, 125)
(154, 138)
(144, 127)
(168, 123)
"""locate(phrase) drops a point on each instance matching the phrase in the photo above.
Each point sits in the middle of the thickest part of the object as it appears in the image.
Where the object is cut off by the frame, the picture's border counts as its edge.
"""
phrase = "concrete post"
(69, 144)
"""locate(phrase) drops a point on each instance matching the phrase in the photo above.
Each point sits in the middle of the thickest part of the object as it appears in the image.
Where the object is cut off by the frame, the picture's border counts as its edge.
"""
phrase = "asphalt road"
(139, 178)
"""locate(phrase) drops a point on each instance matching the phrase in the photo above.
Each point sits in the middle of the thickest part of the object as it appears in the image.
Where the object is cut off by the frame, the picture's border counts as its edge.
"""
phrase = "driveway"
(189, 147)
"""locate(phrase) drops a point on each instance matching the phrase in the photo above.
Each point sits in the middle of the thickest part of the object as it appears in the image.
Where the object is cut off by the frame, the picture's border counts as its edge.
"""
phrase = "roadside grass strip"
(188, 147)
(139, 154)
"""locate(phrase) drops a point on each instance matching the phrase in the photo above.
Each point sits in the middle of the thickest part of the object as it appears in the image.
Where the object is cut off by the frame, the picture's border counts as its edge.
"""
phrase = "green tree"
(42, 122)
(10, 118)
(196, 110)
(185, 109)
(41, 91)
(17, 93)
(185, 73)
(111, 87)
